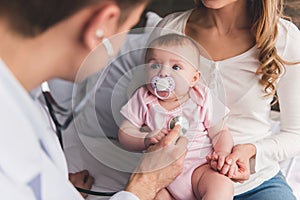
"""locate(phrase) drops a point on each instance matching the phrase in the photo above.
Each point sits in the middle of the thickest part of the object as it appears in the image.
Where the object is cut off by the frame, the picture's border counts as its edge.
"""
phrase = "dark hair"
(31, 17)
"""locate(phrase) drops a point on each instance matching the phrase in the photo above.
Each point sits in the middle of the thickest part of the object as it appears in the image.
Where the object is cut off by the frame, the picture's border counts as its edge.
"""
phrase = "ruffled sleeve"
(136, 108)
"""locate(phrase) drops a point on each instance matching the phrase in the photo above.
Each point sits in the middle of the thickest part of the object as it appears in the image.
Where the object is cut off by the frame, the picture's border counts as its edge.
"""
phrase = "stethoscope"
(55, 109)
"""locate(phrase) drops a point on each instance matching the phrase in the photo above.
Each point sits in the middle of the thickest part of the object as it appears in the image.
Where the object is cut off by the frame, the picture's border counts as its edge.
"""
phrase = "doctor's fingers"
(88, 181)
(180, 147)
(153, 133)
(150, 141)
(81, 179)
(173, 137)
(160, 136)
(158, 157)
(178, 163)
(78, 175)
(170, 138)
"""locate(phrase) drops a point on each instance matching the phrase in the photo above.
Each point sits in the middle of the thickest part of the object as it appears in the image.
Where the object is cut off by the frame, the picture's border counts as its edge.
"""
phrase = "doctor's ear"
(102, 23)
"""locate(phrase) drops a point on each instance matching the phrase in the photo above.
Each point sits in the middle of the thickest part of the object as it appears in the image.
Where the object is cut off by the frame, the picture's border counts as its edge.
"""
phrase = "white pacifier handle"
(161, 97)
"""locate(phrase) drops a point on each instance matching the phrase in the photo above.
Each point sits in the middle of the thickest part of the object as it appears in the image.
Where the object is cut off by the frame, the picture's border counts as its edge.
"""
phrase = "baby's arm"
(133, 139)
(222, 143)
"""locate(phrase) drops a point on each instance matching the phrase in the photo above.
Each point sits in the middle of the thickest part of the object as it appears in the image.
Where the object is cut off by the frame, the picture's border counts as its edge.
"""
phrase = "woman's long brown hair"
(265, 15)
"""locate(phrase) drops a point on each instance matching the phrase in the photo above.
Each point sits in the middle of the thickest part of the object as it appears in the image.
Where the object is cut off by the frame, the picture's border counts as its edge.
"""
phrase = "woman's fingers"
(232, 170)
(242, 171)
(225, 169)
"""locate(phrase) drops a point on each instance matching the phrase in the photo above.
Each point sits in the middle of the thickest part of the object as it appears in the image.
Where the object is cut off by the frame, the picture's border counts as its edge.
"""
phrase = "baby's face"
(177, 62)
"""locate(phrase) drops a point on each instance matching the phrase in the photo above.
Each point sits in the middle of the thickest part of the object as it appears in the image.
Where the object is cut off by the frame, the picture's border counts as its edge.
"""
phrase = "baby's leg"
(211, 185)
(163, 195)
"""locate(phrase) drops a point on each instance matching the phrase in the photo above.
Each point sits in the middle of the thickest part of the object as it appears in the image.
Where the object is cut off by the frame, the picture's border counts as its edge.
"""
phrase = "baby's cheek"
(182, 87)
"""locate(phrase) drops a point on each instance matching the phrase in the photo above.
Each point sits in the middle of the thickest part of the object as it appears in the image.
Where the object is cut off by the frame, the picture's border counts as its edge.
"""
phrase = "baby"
(173, 91)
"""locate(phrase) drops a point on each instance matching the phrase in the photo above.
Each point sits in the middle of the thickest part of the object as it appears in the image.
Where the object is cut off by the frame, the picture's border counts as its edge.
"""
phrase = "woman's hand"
(161, 164)
(82, 180)
(241, 155)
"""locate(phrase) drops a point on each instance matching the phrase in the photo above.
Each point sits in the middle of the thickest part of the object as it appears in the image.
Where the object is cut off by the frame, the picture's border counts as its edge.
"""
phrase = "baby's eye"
(176, 67)
(155, 66)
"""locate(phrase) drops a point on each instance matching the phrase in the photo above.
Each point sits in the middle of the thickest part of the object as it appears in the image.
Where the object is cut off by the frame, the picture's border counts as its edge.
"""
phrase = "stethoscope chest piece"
(182, 121)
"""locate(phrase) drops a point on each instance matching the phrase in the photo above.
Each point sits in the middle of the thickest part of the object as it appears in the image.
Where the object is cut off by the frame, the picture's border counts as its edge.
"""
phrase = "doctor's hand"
(154, 137)
(160, 165)
(82, 180)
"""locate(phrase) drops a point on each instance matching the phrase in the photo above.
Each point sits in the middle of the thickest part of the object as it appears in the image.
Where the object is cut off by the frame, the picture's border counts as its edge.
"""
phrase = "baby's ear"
(196, 78)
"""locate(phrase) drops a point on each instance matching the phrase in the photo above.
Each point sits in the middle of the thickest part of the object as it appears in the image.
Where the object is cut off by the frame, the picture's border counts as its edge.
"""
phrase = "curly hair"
(265, 15)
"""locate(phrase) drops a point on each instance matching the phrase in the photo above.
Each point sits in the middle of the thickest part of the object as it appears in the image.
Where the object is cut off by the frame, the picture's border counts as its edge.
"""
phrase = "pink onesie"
(144, 109)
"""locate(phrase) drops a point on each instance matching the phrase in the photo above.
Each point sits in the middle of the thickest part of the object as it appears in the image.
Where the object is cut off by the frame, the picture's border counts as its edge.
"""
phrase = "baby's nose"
(164, 72)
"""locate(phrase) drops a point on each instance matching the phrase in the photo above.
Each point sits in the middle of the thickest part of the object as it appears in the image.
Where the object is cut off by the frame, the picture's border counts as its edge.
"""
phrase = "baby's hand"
(217, 161)
(154, 137)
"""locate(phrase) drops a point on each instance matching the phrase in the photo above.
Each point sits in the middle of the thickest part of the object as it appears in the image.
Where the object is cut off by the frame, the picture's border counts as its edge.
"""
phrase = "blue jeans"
(275, 188)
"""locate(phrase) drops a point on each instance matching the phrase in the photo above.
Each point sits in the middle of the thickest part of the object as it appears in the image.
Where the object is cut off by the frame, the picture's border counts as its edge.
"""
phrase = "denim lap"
(275, 188)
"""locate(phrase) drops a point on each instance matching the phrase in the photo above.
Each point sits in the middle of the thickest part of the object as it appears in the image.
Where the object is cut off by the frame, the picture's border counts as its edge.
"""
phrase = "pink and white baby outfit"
(144, 109)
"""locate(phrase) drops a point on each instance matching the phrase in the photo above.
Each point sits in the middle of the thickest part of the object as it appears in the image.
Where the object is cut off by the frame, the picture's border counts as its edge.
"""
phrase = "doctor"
(40, 41)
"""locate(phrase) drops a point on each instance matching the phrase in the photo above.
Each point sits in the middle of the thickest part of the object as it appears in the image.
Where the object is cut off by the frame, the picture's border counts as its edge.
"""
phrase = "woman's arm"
(279, 146)
(285, 144)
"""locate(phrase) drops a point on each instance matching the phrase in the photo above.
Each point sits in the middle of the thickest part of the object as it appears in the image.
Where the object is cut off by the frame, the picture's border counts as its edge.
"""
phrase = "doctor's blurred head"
(48, 39)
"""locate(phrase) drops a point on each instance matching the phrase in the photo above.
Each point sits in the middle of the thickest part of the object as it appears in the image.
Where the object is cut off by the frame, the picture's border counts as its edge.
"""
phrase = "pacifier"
(163, 84)
(182, 121)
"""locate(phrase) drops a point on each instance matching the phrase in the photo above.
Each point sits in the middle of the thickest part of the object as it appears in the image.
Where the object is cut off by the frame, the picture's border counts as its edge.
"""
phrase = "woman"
(44, 40)
(254, 51)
